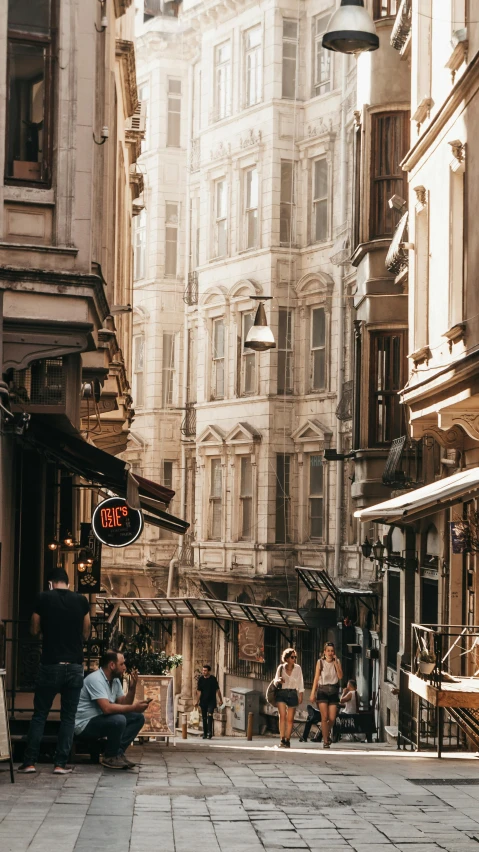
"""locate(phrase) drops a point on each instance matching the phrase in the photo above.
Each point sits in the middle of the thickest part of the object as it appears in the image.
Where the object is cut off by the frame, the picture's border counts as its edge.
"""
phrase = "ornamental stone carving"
(251, 138)
(221, 150)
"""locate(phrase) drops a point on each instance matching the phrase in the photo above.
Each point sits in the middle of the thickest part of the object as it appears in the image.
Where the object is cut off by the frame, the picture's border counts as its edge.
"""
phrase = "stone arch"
(217, 294)
(315, 282)
(244, 288)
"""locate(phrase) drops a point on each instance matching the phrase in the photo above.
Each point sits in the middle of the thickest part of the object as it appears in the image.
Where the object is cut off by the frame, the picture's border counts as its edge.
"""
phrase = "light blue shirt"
(95, 686)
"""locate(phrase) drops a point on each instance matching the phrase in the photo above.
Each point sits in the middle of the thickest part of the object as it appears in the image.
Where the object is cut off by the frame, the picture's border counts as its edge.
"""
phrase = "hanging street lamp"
(260, 337)
(351, 29)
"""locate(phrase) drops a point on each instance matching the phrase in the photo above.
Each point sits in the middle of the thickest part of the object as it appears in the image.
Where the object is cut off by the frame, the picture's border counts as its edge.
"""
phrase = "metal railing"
(190, 296)
(188, 424)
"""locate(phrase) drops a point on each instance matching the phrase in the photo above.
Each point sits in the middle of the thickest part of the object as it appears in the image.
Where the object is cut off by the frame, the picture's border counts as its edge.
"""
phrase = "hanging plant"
(139, 654)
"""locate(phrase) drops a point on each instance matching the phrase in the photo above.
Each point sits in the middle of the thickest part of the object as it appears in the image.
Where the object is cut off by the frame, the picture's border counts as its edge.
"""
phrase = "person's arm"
(35, 625)
(218, 694)
(339, 668)
(301, 686)
(86, 626)
(130, 695)
(107, 708)
(198, 695)
(346, 696)
(314, 687)
(279, 678)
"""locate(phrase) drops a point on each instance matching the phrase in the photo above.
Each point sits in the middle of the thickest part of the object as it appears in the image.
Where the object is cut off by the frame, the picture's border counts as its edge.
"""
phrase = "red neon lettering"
(124, 510)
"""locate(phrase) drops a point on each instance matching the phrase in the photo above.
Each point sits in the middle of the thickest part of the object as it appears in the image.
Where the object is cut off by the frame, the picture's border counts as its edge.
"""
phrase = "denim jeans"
(207, 711)
(120, 730)
(66, 679)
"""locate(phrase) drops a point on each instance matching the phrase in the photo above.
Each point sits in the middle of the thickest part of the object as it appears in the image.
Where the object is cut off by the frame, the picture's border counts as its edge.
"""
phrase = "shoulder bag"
(272, 691)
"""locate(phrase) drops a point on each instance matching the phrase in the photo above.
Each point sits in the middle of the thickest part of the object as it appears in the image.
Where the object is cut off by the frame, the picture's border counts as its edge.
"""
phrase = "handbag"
(272, 691)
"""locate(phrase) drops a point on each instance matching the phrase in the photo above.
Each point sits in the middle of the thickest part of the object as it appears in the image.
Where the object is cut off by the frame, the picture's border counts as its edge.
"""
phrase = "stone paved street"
(228, 797)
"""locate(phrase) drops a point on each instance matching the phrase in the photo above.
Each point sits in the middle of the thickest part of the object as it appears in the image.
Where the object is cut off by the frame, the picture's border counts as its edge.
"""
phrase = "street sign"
(116, 524)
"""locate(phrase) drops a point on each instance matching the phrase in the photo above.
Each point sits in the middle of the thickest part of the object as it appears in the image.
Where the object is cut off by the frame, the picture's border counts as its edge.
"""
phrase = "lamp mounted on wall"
(351, 29)
(367, 549)
(260, 337)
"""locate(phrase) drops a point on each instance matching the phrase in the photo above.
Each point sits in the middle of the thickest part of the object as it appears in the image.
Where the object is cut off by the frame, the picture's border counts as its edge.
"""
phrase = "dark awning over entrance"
(107, 471)
(170, 608)
(317, 580)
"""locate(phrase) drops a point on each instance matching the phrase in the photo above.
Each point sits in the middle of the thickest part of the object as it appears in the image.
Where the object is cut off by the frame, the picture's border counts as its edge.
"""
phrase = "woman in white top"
(289, 678)
(326, 690)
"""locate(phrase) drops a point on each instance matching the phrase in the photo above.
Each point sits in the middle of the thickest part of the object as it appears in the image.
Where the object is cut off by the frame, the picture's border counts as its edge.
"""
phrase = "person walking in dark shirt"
(208, 695)
(63, 619)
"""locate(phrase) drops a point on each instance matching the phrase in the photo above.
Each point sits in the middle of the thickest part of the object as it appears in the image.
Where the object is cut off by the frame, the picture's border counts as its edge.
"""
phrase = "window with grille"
(221, 219)
(218, 360)
(322, 68)
(169, 370)
(285, 351)
(389, 144)
(174, 114)
(171, 238)
(387, 373)
(223, 80)
(287, 203)
(318, 349)
(252, 48)
(248, 358)
(30, 91)
(283, 498)
(216, 500)
(246, 498)
(138, 370)
(251, 207)
(140, 246)
(385, 8)
(320, 200)
(316, 503)
(41, 383)
(290, 51)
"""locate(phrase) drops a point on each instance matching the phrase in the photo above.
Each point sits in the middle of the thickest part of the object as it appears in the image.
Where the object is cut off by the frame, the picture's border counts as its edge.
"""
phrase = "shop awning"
(102, 469)
(424, 501)
(170, 608)
(317, 580)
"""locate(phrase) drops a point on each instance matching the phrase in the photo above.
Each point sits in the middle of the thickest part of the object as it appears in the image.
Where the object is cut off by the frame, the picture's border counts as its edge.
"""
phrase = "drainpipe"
(343, 184)
(171, 574)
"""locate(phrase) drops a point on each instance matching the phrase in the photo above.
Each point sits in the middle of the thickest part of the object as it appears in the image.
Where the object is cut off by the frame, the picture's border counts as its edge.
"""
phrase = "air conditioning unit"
(137, 122)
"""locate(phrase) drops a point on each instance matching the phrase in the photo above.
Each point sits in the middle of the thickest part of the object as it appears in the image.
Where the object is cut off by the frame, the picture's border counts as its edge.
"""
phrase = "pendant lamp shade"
(260, 337)
(351, 29)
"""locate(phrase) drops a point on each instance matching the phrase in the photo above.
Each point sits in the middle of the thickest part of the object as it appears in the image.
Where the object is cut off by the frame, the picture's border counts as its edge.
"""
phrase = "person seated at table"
(349, 699)
(104, 711)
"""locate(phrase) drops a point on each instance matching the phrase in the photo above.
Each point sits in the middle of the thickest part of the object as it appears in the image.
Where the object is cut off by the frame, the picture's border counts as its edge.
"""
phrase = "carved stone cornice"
(121, 6)
(125, 52)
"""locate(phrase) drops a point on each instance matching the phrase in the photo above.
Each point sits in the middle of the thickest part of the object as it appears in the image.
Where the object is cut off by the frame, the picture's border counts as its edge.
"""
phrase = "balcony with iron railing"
(190, 296)
(188, 425)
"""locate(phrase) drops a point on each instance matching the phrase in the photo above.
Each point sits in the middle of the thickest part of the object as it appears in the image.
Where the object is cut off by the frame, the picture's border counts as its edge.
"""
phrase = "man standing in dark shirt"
(208, 695)
(63, 619)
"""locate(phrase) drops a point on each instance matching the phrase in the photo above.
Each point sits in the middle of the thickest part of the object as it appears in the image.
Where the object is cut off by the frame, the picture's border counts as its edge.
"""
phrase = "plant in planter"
(426, 661)
(139, 654)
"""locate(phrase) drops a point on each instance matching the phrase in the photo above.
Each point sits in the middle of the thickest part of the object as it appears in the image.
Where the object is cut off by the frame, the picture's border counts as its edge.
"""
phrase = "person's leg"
(204, 715)
(111, 727)
(211, 710)
(332, 713)
(70, 696)
(282, 719)
(134, 724)
(323, 707)
(45, 690)
(290, 722)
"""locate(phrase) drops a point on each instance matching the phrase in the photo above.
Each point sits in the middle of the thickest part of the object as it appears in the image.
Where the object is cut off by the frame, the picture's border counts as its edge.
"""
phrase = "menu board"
(159, 716)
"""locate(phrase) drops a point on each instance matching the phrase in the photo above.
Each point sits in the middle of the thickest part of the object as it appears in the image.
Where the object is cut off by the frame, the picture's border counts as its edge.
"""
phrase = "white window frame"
(251, 208)
(173, 98)
(313, 349)
(218, 360)
(320, 199)
(288, 206)
(246, 499)
(248, 356)
(169, 372)
(140, 246)
(315, 497)
(139, 369)
(289, 60)
(215, 500)
(320, 56)
(221, 218)
(222, 92)
(253, 67)
(172, 220)
(287, 358)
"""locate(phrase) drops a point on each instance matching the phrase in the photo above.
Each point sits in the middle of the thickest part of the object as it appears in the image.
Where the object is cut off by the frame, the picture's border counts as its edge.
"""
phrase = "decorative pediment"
(136, 442)
(312, 430)
(315, 282)
(214, 296)
(243, 433)
(245, 287)
(211, 435)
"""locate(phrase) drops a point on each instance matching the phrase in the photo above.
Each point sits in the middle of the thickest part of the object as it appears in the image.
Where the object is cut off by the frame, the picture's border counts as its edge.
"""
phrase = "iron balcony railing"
(188, 425)
(190, 296)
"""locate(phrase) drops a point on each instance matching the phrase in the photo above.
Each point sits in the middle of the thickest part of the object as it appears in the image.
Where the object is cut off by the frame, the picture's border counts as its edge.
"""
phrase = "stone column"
(186, 699)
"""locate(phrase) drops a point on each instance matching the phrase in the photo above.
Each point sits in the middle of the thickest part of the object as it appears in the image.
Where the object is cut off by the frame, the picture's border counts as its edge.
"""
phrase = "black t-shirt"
(61, 616)
(208, 686)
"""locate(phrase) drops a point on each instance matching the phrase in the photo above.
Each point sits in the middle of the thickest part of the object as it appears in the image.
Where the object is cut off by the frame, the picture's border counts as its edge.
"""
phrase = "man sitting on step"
(104, 711)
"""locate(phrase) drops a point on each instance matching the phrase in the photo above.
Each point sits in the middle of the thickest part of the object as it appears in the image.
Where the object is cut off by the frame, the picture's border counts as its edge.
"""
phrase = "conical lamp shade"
(351, 29)
(260, 337)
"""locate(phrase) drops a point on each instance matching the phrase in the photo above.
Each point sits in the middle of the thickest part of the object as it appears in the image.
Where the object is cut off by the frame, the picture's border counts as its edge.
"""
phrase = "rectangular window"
(285, 351)
(167, 474)
(316, 497)
(223, 80)
(251, 207)
(144, 97)
(138, 370)
(140, 246)
(218, 377)
(196, 100)
(246, 498)
(394, 618)
(221, 218)
(248, 359)
(287, 203)
(290, 50)
(216, 500)
(387, 370)
(318, 349)
(171, 238)
(320, 200)
(283, 498)
(322, 58)
(252, 46)
(169, 370)
(194, 233)
(174, 114)
(357, 145)
(390, 142)
(456, 248)
(30, 91)
(385, 8)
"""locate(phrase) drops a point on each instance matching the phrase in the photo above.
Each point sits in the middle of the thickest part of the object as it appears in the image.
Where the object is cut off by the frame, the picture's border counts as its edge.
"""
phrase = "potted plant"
(139, 654)
(426, 660)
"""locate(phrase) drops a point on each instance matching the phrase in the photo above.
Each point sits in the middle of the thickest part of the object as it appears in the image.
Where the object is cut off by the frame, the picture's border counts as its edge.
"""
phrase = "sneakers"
(113, 762)
(27, 768)
(62, 770)
(128, 763)
(284, 743)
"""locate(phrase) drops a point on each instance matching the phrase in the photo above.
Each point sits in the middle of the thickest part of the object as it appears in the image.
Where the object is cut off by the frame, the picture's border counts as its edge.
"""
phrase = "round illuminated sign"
(115, 524)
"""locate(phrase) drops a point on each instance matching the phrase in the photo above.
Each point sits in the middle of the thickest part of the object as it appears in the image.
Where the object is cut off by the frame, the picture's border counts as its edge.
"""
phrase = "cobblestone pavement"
(238, 797)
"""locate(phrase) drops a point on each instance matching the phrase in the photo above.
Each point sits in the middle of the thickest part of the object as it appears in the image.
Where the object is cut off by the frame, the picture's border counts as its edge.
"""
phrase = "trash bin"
(244, 701)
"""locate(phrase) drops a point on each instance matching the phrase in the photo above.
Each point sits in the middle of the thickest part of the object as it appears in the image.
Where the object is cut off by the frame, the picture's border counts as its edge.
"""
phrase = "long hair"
(327, 645)
(286, 654)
